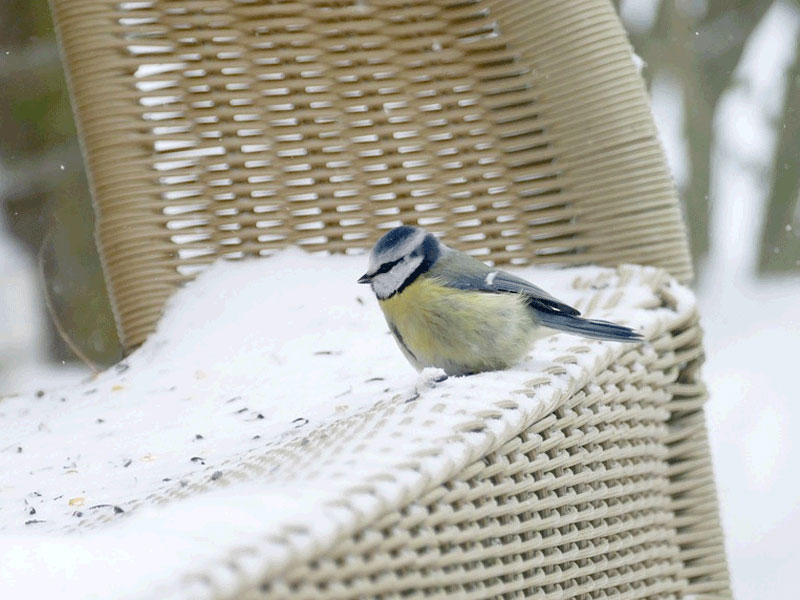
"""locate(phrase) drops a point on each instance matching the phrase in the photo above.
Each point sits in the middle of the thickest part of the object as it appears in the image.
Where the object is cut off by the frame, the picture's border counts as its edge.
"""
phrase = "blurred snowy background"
(725, 83)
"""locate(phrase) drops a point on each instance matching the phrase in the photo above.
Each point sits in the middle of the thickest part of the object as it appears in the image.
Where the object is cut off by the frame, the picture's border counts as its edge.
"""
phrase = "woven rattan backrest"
(519, 129)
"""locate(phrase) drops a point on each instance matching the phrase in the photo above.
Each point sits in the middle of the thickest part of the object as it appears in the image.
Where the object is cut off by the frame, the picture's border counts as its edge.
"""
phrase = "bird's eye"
(386, 267)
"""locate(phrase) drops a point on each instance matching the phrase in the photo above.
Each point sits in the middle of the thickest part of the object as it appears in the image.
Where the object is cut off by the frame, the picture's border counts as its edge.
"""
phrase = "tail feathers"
(601, 330)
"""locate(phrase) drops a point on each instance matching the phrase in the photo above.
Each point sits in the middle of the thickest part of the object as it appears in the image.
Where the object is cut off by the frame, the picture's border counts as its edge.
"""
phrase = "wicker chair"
(520, 130)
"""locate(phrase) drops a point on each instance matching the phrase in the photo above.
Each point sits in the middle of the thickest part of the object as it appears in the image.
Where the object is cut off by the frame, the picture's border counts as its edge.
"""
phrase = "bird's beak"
(364, 278)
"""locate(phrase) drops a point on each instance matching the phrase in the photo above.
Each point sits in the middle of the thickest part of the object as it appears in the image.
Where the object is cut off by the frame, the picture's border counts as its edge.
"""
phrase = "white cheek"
(386, 284)
(382, 285)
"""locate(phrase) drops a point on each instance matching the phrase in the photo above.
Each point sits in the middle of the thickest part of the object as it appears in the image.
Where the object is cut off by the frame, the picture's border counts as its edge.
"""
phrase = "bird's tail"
(601, 330)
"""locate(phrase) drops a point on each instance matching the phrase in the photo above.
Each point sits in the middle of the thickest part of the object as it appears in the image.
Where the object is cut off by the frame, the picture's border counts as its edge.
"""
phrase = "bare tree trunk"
(701, 53)
(780, 238)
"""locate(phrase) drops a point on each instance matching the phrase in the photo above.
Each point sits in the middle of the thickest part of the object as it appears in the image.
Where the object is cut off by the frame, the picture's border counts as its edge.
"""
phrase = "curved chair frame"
(520, 131)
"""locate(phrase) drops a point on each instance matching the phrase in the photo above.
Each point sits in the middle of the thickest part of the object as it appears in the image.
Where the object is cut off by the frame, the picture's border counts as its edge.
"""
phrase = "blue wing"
(463, 272)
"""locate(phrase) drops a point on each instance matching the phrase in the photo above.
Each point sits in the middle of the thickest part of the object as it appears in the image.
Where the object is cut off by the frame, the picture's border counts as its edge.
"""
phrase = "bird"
(447, 309)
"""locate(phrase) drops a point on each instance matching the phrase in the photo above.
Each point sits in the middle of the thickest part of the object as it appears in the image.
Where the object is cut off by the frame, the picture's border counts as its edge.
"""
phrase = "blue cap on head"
(398, 258)
(394, 237)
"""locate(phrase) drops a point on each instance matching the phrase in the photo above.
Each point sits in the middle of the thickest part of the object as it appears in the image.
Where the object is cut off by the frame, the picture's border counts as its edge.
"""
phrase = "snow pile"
(253, 358)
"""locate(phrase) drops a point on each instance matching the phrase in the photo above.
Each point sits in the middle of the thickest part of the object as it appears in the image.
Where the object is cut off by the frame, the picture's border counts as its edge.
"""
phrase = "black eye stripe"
(386, 267)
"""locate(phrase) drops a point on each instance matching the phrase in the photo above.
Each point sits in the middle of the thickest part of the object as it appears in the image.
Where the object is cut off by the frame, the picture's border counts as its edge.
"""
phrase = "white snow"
(753, 345)
(203, 374)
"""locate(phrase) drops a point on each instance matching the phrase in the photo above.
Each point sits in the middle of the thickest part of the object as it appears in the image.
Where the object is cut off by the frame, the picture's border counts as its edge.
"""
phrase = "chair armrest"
(583, 468)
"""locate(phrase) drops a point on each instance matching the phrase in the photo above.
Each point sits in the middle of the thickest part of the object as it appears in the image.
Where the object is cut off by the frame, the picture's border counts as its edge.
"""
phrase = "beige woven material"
(518, 128)
(608, 495)
(582, 473)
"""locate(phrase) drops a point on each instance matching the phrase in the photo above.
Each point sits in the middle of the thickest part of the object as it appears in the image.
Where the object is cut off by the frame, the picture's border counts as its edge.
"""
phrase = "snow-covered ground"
(753, 345)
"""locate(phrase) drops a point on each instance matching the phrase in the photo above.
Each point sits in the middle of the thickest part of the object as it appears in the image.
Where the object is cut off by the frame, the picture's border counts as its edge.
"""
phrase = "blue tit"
(447, 309)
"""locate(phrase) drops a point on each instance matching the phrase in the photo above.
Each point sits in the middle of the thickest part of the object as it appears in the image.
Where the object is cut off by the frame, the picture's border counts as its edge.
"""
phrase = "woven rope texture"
(519, 129)
(610, 495)
(581, 473)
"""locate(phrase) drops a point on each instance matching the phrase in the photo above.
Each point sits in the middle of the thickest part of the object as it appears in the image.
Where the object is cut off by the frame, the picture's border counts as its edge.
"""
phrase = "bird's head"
(398, 258)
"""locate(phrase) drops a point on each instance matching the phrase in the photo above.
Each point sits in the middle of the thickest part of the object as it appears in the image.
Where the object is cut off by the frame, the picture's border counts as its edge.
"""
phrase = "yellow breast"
(456, 330)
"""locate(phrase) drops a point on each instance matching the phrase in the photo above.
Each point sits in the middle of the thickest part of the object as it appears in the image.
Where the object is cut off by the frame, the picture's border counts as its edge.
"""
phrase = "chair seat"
(291, 452)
